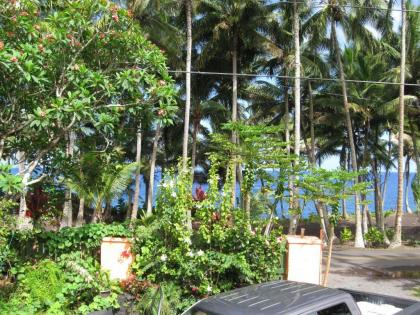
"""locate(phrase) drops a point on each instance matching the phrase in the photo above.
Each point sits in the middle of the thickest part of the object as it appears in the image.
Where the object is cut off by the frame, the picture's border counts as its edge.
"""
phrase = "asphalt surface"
(394, 272)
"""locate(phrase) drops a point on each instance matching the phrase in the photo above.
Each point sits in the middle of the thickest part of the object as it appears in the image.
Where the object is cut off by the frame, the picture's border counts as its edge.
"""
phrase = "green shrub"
(390, 233)
(388, 213)
(38, 243)
(43, 282)
(73, 284)
(7, 226)
(223, 251)
(374, 237)
(346, 235)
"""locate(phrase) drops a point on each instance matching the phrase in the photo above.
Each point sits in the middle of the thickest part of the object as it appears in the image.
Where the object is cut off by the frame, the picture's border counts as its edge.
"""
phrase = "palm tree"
(296, 36)
(156, 18)
(353, 23)
(227, 26)
(99, 182)
(396, 241)
(152, 171)
(134, 209)
(188, 6)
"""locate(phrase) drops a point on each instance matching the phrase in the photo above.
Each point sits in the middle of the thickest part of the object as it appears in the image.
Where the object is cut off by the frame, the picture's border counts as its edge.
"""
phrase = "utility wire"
(321, 5)
(291, 77)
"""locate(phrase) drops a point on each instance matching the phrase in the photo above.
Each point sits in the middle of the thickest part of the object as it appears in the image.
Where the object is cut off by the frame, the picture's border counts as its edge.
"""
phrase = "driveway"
(385, 271)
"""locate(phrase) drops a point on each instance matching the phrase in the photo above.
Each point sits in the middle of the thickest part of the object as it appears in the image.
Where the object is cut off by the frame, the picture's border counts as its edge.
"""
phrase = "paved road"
(392, 271)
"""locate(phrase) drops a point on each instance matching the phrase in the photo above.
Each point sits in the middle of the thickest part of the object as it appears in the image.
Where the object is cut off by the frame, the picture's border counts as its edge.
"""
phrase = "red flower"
(28, 214)
(215, 216)
(200, 194)
(14, 59)
(125, 254)
(194, 289)
(115, 17)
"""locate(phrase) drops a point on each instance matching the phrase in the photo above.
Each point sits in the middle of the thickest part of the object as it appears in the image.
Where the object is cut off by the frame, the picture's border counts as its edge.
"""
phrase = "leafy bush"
(374, 237)
(7, 224)
(346, 235)
(388, 213)
(222, 251)
(71, 285)
(39, 243)
(390, 233)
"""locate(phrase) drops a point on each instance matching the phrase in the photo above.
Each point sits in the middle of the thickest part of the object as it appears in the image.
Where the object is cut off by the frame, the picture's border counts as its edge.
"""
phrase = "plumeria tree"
(66, 65)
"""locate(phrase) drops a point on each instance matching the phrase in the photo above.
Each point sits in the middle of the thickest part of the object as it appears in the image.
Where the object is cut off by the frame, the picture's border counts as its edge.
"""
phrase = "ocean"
(389, 204)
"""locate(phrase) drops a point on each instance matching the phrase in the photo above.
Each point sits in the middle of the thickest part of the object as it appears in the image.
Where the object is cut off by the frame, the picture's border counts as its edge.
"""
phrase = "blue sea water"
(389, 204)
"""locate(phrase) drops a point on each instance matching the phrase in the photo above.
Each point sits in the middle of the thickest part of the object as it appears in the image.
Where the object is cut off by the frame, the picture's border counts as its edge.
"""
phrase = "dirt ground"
(394, 272)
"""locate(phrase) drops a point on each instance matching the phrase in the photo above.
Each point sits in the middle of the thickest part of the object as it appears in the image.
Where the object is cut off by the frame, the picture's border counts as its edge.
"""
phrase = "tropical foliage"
(101, 98)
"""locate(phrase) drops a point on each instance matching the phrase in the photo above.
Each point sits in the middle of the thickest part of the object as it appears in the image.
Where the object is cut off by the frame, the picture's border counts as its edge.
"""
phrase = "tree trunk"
(196, 125)
(359, 242)
(24, 221)
(152, 172)
(312, 160)
(67, 218)
(396, 242)
(1, 147)
(407, 182)
(135, 208)
(379, 213)
(97, 213)
(247, 206)
(234, 108)
(80, 215)
(188, 6)
(295, 198)
(129, 203)
(241, 198)
(415, 148)
(107, 213)
(328, 265)
(311, 122)
(286, 110)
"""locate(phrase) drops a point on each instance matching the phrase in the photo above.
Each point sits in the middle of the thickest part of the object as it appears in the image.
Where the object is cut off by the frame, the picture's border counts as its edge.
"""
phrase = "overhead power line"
(290, 77)
(322, 4)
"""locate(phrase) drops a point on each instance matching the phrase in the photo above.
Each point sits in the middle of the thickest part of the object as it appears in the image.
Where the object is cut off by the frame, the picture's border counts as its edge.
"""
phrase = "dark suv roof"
(276, 297)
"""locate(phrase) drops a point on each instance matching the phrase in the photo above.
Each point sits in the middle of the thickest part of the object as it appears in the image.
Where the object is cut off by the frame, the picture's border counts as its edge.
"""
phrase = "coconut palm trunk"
(311, 123)
(80, 215)
(67, 218)
(135, 208)
(286, 110)
(196, 125)
(188, 6)
(359, 242)
(407, 181)
(379, 212)
(295, 216)
(152, 172)
(396, 242)
(234, 107)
